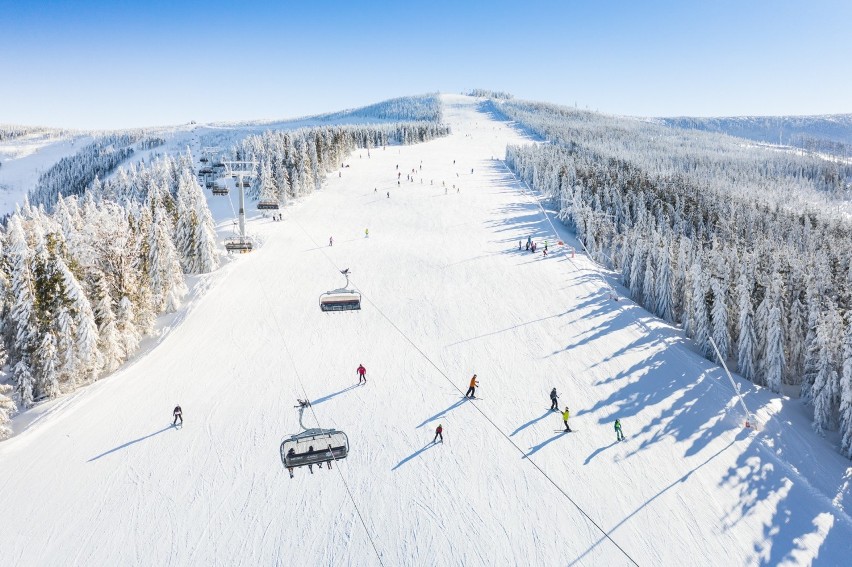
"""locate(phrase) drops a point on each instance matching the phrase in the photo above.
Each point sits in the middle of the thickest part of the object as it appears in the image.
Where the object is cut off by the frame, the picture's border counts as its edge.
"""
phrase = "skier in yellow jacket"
(565, 415)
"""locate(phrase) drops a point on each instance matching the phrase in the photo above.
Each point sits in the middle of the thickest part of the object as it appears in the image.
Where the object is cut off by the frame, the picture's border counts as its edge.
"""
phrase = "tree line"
(744, 245)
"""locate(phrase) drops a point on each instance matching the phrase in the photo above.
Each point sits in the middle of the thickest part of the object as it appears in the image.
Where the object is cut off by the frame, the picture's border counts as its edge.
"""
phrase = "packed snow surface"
(101, 478)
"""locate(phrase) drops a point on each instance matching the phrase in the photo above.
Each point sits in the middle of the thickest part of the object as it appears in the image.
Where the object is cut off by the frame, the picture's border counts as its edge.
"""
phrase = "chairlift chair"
(220, 189)
(268, 205)
(205, 171)
(343, 299)
(203, 159)
(241, 244)
(314, 446)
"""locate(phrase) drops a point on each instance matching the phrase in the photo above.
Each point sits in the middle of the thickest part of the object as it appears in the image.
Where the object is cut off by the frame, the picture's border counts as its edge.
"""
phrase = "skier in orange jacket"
(471, 392)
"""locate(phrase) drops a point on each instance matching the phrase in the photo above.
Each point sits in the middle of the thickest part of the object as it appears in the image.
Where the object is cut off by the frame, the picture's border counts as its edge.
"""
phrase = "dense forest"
(73, 175)
(749, 246)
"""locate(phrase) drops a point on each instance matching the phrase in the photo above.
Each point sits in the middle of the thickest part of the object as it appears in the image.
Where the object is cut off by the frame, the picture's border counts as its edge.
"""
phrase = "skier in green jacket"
(619, 436)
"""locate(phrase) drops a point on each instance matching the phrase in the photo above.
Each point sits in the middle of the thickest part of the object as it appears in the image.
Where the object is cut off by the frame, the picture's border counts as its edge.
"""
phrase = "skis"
(565, 430)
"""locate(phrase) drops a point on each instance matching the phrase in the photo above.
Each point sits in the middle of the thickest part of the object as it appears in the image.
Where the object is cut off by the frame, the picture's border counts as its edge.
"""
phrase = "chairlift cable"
(319, 425)
(487, 418)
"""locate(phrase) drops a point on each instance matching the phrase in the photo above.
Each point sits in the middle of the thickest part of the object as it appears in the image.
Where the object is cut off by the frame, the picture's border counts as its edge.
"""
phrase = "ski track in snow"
(102, 479)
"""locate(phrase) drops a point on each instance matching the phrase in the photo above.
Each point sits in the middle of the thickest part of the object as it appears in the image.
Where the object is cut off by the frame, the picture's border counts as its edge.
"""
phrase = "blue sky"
(98, 64)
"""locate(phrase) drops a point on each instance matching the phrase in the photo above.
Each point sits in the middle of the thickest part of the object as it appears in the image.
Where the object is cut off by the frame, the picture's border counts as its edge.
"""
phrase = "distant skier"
(178, 413)
(520, 245)
(362, 374)
(366, 233)
(330, 241)
(439, 434)
(565, 415)
(471, 392)
(545, 245)
(529, 242)
(619, 436)
(388, 194)
(554, 406)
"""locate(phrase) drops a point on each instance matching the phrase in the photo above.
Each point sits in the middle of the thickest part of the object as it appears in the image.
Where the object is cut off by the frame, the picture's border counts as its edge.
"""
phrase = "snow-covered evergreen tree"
(7, 408)
(663, 292)
(746, 340)
(700, 319)
(846, 393)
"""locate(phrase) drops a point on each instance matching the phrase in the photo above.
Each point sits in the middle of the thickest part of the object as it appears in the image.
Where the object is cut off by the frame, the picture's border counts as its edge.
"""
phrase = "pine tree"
(701, 322)
(7, 408)
(846, 393)
(824, 391)
(109, 344)
(746, 340)
(125, 322)
(664, 286)
(649, 298)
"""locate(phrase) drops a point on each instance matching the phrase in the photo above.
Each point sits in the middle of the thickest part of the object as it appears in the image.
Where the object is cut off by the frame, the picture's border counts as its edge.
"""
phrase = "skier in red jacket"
(362, 374)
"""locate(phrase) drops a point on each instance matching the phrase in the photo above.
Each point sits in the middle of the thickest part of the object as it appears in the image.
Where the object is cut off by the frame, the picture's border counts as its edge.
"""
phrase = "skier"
(565, 415)
(388, 194)
(311, 466)
(471, 392)
(529, 242)
(619, 436)
(439, 433)
(290, 454)
(178, 413)
(554, 406)
(520, 247)
(545, 245)
(366, 233)
(362, 373)
(330, 241)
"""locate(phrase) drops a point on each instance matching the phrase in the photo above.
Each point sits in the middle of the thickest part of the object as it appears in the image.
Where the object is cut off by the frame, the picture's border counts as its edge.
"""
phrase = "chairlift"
(313, 446)
(268, 205)
(205, 171)
(203, 159)
(343, 299)
(241, 244)
(220, 189)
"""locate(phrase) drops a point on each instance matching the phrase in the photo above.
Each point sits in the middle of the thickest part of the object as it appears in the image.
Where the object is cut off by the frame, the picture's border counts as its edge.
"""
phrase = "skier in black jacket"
(178, 413)
(554, 406)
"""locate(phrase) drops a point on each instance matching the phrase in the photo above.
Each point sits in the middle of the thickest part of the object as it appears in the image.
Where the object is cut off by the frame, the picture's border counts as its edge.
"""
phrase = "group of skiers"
(532, 246)
(566, 414)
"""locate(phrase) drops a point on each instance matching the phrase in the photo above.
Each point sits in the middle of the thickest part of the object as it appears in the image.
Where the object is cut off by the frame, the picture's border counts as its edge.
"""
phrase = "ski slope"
(102, 478)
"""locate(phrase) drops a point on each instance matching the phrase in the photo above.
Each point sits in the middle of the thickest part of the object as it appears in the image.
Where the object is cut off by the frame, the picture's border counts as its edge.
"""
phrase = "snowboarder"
(290, 454)
(554, 406)
(330, 240)
(471, 392)
(439, 433)
(565, 415)
(178, 413)
(619, 436)
(362, 373)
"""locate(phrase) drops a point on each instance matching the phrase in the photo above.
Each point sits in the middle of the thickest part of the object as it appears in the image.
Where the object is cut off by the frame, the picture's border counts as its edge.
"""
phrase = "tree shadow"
(536, 448)
(598, 451)
(329, 396)
(531, 422)
(674, 483)
(443, 412)
(104, 454)
(414, 455)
